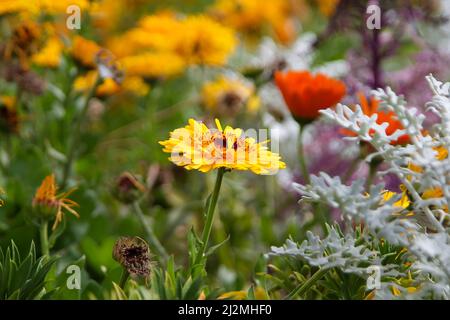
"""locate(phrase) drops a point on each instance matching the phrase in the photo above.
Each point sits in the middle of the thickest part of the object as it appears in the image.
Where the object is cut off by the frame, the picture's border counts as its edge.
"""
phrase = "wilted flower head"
(47, 203)
(23, 43)
(133, 254)
(197, 147)
(27, 80)
(127, 188)
(306, 94)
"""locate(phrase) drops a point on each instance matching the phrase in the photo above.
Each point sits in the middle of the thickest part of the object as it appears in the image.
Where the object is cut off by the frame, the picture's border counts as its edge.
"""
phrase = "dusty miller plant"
(420, 227)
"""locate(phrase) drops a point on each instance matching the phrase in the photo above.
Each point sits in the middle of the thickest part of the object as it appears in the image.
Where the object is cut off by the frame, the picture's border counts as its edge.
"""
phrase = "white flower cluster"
(421, 226)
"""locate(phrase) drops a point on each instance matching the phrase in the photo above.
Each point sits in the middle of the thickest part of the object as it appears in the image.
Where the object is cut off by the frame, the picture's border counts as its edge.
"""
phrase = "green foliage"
(22, 278)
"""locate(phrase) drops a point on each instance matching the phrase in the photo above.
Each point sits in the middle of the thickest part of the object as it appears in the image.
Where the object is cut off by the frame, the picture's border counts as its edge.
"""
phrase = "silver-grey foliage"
(421, 227)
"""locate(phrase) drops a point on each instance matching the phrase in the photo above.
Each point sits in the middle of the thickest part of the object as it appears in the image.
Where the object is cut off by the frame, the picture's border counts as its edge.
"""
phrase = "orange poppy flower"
(372, 107)
(306, 94)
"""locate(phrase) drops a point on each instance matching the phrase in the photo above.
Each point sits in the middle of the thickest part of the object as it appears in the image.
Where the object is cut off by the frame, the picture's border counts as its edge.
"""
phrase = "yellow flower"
(135, 85)
(254, 17)
(197, 147)
(85, 51)
(153, 64)
(50, 54)
(259, 293)
(233, 295)
(204, 41)
(226, 96)
(441, 154)
(157, 32)
(327, 7)
(50, 203)
(9, 116)
(130, 84)
(13, 6)
(403, 203)
(36, 7)
(60, 6)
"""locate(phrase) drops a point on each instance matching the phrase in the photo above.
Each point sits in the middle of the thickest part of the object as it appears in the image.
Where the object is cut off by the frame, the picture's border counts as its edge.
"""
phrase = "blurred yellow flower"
(13, 6)
(38, 6)
(204, 41)
(50, 203)
(85, 51)
(130, 84)
(259, 293)
(403, 203)
(9, 117)
(255, 17)
(197, 147)
(153, 64)
(50, 55)
(226, 96)
(327, 7)
(60, 6)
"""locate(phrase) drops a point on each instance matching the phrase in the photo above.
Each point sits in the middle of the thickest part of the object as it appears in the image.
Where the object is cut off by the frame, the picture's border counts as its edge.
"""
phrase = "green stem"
(302, 158)
(373, 166)
(76, 134)
(351, 169)
(123, 278)
(210, 216)
(151, 237)
(319, 211)
(43, 232)
(305, 286)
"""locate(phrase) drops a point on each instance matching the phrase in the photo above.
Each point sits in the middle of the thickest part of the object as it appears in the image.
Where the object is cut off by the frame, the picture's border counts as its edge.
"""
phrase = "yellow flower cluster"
(37, 6)
(327, 7)
(226, 96)
(253, 17)
(430, 193)
(163, 44)
(197, 147)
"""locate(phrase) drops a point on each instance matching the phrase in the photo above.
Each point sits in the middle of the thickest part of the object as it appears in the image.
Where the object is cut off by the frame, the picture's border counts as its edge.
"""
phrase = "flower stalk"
(151, 237)
(123, 278)
(210, 216)
(301, 155)
(43, 232)
(305, 286)
(67, 170)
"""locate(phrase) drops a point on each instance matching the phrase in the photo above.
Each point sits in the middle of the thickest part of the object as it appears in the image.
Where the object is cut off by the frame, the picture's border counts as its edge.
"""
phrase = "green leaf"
(217, 246)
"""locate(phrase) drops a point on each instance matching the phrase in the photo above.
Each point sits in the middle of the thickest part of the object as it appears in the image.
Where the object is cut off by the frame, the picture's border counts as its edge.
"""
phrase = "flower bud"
(127, 188)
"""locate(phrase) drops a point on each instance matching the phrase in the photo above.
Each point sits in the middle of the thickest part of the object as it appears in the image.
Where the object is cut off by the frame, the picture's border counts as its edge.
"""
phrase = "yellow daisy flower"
(226, 96)
(150, 65)
(50, 55)
(197, 147)
(205, 41)
(85, 51)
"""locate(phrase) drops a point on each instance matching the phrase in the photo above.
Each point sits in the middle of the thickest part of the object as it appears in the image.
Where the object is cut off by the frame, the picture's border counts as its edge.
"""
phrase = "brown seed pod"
(133, 254)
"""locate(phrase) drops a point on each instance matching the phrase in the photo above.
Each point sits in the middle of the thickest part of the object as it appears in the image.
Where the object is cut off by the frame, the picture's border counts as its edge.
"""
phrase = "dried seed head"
(133, 254)
(27, 80)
